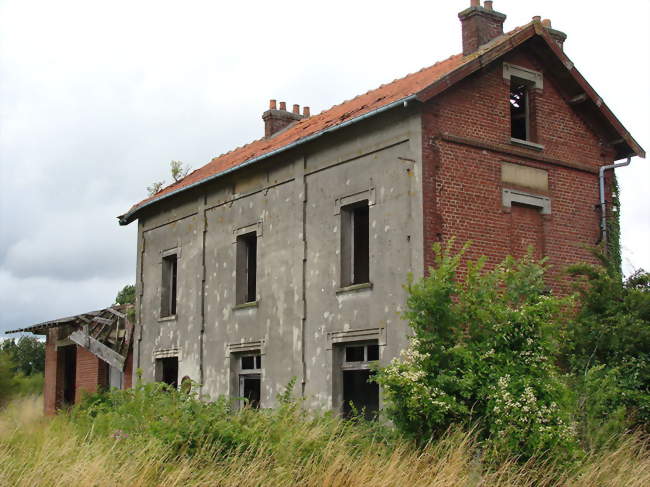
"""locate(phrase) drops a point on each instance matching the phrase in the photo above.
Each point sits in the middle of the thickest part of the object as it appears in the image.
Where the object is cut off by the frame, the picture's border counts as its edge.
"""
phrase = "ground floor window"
(167, 371)
(248, 368)
(359, 393)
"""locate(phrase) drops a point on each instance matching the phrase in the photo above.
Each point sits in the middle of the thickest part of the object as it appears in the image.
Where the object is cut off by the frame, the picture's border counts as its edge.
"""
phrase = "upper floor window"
(355, 244)
(246, 272)
(525, 86)
(169, 285)
(519, 109)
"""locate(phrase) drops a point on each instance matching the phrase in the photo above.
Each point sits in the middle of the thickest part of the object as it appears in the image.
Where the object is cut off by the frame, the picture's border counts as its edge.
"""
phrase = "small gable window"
(519, 109)
(525, 87)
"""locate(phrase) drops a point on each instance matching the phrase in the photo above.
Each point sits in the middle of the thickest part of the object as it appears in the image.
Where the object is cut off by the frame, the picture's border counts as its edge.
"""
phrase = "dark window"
(246, 268)
(360, 395)
(249, 388)
(354, 354)
(355, 244)
(373, 353)
(251, 362)
(519, 109)
(169, 284)
(167, 370)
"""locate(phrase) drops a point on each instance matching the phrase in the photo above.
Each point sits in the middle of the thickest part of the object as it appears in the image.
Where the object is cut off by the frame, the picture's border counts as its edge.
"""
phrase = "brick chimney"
(480, 25)
(557, 35)
(276, 120)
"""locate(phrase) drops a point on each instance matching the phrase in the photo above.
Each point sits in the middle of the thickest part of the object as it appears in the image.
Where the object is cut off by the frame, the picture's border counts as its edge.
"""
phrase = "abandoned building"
(287, 257)
(84, 353)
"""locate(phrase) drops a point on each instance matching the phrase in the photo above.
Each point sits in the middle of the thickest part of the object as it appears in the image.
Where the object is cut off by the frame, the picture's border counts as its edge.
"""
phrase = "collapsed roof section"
(106, 333)
(418, 87)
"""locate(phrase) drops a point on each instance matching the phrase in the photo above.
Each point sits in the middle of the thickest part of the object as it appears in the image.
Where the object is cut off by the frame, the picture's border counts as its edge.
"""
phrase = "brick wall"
(128, 370)
(51, 369)
(91, 373)
(462, 180)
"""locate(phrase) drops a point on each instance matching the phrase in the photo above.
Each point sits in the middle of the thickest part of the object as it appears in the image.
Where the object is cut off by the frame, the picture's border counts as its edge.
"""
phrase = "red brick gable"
(421, 86)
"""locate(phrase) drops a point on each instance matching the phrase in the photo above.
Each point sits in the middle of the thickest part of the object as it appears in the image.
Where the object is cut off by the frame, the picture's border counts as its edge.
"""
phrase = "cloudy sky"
(96, 97)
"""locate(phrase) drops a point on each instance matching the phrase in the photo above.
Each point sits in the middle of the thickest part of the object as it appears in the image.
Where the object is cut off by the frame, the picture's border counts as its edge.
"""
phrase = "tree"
(126, 295)
(27, 355)
(607, 350)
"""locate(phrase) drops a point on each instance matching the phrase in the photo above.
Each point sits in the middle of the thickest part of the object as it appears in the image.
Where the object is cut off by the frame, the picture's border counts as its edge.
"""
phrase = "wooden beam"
(116, 313)
(98, 349)
(103, 321)
(582, 97)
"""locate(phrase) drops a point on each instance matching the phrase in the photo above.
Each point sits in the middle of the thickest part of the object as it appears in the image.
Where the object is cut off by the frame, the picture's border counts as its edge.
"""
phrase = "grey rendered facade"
(303, 315)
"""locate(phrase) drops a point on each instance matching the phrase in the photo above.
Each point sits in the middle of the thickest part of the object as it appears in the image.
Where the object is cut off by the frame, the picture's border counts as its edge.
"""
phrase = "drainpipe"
(603, 210)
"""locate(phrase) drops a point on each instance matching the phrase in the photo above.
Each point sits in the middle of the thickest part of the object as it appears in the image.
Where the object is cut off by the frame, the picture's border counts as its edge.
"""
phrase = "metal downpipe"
(603, 204)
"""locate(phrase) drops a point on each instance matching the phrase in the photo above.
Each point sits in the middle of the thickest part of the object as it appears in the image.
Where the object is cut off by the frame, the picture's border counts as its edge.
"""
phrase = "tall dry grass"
(37, 451)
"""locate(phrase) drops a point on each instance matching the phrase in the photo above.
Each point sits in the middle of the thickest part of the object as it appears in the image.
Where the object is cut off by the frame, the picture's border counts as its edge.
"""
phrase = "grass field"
(291, 450)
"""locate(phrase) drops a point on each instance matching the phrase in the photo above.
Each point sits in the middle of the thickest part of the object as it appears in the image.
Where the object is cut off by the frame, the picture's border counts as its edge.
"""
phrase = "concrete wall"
(301, 314)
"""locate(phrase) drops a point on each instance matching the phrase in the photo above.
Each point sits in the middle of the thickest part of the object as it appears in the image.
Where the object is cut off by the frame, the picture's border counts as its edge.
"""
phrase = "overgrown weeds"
(284, 447)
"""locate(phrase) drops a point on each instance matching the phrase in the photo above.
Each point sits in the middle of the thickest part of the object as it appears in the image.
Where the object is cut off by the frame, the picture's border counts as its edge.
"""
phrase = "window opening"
(355, 244)
(250, 380)
(519, 109)
(169, 284)
(246, 268)
(359, 393)
(167, 371)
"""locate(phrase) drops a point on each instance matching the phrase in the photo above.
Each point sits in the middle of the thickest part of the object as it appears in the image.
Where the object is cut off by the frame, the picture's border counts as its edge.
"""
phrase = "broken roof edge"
(131, 215)
(68, 319)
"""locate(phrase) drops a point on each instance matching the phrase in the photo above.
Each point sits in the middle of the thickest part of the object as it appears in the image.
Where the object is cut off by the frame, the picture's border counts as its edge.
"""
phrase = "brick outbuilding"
(85, 353)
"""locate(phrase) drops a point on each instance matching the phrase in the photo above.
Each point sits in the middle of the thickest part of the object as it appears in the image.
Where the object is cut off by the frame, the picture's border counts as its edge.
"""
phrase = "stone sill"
(526, 143)
(167, 318)
(250, 304)
(354, 287)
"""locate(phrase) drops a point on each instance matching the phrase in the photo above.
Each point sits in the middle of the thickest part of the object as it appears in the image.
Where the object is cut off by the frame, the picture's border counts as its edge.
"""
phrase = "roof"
(106, 333)
(117, 311)
(419, 86)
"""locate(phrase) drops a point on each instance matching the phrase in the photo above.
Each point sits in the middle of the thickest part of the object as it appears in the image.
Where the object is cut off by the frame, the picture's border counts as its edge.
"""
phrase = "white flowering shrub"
(483, 354)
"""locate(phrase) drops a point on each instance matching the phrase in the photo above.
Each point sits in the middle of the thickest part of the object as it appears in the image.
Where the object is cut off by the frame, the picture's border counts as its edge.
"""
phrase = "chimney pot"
(296, 109)
(305, 112)
(546, 23)
(283, 105)
(475, 3)
(488, 5)
(537, 18)
(272, 105)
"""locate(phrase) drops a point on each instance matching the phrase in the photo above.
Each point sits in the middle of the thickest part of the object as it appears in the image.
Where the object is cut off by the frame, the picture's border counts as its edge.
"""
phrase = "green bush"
(482, 353)
(607, 348)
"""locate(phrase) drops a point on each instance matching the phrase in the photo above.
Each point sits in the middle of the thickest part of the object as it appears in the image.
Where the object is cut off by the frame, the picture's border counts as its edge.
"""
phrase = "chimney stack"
(278, 119)
(480, 25)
